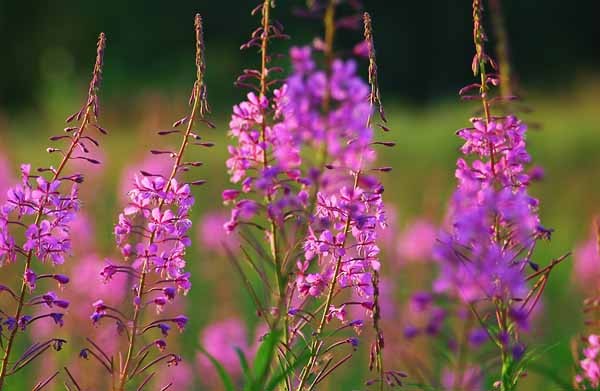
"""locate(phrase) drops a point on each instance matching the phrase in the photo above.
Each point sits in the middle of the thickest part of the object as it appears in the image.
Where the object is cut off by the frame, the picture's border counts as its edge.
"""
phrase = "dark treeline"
(423, 46)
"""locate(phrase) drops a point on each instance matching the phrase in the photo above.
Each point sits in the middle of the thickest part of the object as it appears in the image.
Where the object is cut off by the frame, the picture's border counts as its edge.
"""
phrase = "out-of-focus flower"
(180, 376)
(416, 242)
(586, 270)
(491, 207)
(212, 235)
(471, 379)
(221, 339)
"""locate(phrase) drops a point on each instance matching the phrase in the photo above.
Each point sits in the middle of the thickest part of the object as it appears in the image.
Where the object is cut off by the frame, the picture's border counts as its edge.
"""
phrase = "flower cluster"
(158, 214)
(344, 233)
(486, 257)
(48, 238)
(590, 365)
(40, 210)
(265, 158)
(349, 207)
(152, 233)
(264, 163)
(494, 220)
(342, 131)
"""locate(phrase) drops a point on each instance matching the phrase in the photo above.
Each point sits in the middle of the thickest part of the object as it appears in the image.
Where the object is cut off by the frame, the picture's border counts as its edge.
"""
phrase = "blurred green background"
(424, 54)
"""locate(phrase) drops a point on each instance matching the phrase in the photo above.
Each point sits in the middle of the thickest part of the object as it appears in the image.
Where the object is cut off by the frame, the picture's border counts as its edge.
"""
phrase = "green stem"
(23, 293)
(316, 345)
(198, 108)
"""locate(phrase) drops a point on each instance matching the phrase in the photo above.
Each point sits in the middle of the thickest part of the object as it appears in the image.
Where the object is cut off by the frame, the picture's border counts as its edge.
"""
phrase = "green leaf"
(278, 378)
(550, 374)
(264, 357)
(244, 365)
(223, 375)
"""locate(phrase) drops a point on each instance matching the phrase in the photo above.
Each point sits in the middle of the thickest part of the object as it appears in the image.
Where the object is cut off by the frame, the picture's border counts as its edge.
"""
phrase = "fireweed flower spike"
(341, 243)
(588, 372)
(273, 194)
(152, 234)
(488, 252)
(41, 209)
(263, 161)
(376, 356)
(317, 208)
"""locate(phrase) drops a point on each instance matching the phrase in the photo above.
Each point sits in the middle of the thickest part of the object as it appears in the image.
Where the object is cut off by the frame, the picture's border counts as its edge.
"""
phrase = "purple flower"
(230, 195)
(30, 279)
(420, 301)
(58, 318)
(169, 292)
(160, 303)
(51, 299)
(336, 312)
(108, 272)
(61, 279)
(99, 311)
(160, 344)
(180, 321)
(494, 222)
(478, 336)
(23, 322)
(410, 331)
(10, 323)
(164, 329)
(520, 316)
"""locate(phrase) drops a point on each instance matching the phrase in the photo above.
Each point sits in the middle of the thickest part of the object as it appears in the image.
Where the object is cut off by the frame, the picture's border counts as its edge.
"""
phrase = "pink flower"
(220, 339)
(212, 235)
(180, 376)
(155, 164)
(590, 365)
(586, 268)
(416, 242)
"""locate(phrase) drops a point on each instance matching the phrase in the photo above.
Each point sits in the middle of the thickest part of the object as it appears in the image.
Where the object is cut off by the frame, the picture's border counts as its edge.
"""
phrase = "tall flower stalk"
(266, 165)
(42, 207)
(152, 233)
(587, 375)
(486, 256)
(320, 209)
(341, 242)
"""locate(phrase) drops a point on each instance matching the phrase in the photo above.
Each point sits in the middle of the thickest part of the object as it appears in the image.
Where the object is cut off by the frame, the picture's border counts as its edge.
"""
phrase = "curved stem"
(143, 276)
(198, 108)
(264, 73)
(316, 345)
(40, 213)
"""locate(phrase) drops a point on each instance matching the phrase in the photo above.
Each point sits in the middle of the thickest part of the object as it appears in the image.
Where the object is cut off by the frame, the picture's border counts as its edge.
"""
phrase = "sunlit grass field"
(566, 145)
